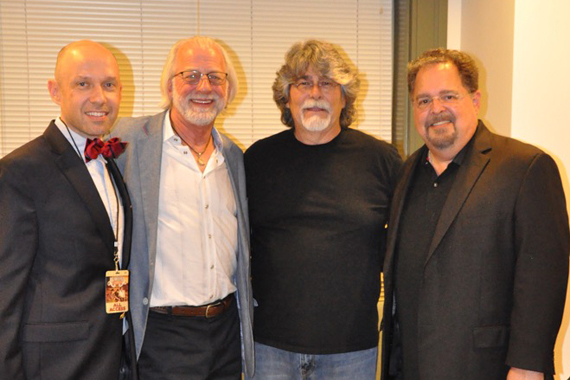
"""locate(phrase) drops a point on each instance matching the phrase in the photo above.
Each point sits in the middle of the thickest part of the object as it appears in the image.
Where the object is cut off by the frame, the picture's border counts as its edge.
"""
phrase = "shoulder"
(515, 153)
(372, 146)
(268, 144)
(514, 147)
(29, 165)
(129, 127)
(28, 156)
(230, 146)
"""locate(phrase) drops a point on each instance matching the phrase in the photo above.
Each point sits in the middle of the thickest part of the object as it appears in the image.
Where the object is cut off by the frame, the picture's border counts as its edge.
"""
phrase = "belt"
(210, 310)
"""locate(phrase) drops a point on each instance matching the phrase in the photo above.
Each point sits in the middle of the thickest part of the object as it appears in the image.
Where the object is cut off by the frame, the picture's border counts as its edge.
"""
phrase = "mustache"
(310, 103)
(197, 96)
(432, 119)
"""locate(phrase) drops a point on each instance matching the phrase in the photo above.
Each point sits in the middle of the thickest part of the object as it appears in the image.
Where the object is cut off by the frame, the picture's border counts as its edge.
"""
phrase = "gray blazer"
(140, 165)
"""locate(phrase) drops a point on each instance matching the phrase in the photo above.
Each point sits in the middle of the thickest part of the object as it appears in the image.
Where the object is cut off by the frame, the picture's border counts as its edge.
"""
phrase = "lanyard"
(114, 222)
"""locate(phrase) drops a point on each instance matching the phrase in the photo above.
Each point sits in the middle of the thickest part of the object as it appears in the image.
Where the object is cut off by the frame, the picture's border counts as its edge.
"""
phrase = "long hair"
(325, 59)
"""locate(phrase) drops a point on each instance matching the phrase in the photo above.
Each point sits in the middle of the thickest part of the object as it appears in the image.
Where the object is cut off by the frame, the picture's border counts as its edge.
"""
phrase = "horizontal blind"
(140, 33)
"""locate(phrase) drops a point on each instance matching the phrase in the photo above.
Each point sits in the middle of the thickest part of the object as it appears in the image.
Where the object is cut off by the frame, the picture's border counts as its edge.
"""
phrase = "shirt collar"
(459, 157)
(169, 133)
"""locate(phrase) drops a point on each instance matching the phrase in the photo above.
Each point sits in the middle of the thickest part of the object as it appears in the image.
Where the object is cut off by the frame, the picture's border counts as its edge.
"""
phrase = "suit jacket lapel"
(469, 172)
(397, 206)
(231, 164)
(78, 176)
(149, 157)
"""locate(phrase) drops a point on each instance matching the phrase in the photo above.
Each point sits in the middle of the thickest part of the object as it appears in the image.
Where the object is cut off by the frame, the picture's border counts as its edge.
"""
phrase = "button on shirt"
(101, 179)
(197, 227)
(425, 199)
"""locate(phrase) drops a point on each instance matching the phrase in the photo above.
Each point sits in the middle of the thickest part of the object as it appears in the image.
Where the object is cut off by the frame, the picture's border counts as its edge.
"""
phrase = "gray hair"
(203, 42)
(325, 59)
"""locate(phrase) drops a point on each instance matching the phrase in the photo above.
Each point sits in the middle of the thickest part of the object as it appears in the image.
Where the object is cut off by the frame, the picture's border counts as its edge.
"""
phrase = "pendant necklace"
(200, 162)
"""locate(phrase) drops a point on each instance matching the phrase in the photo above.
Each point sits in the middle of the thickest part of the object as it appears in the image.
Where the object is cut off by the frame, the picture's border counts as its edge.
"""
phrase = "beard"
(197, 115)
(441, 137)
(316, 123)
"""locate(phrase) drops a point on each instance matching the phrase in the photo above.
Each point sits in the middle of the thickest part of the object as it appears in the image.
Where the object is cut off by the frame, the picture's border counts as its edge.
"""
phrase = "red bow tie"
(109, 149)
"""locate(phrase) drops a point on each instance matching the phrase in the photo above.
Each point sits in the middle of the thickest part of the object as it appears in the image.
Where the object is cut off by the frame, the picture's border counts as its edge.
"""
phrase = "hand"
(524, 374)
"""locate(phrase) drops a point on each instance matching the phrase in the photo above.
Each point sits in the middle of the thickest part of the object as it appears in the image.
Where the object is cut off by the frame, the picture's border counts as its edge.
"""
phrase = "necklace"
(200, 162)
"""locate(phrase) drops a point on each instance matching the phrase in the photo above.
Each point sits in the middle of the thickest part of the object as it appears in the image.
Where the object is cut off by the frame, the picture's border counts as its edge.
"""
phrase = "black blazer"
(56, 243)
(495, 278)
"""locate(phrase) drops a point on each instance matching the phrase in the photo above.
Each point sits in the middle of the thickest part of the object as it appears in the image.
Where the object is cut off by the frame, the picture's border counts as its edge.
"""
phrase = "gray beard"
(199, 118)
(316, 123)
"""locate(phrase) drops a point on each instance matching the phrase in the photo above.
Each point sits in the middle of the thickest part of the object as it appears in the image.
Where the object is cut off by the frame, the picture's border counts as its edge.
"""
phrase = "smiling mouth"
(96, 113)
(202, 101)
(440, 123)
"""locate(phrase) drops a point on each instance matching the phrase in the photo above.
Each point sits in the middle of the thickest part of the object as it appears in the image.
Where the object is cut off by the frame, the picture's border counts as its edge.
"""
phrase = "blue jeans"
(274, 364)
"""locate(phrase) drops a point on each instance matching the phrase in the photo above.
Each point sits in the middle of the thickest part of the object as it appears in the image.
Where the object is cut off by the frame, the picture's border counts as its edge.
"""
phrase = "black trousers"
(191, 348)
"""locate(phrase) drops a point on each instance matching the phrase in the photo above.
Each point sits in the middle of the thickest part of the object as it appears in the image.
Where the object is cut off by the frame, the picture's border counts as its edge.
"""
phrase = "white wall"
(523, 50)
(487, 34)
(540, 100)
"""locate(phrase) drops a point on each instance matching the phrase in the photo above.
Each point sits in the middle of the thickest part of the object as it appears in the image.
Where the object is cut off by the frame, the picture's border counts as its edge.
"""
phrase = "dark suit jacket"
(56, 243)
(495, 278)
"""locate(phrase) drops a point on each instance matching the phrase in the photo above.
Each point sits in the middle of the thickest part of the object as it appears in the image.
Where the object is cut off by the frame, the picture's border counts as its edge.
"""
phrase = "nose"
(97, 95)
(316, 92)
(204, 84)
(436, 105)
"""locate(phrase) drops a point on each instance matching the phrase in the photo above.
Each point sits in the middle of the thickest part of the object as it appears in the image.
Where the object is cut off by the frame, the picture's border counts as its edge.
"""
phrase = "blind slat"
(141, 32)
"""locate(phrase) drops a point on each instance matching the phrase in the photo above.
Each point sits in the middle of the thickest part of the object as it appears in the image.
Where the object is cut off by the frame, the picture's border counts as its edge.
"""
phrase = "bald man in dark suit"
(60, 220)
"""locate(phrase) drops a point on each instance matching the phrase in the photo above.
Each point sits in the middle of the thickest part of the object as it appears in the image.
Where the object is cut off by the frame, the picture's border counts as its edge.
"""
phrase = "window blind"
(257, 34)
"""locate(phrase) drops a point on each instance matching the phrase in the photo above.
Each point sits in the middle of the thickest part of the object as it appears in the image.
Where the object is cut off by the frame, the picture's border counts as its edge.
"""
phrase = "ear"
(476, 99)
(54, 91)
(169, 89)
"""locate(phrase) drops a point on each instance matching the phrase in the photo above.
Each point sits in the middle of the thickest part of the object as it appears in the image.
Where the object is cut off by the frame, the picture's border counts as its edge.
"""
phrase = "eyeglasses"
(216, 78)
(325, 85)
(450, 99)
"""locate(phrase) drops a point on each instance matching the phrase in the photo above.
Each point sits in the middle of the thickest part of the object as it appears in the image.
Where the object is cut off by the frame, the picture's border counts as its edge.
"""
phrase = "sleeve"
(392, 163)
(395, 166)
(18, 244)
(541, 271)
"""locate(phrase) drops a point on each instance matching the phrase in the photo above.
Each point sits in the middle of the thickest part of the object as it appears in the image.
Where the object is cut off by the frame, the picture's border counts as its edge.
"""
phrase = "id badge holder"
(117, 291)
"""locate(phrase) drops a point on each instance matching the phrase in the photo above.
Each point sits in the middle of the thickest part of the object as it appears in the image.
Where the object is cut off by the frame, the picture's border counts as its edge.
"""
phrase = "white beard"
(316, 123)
(195, 116)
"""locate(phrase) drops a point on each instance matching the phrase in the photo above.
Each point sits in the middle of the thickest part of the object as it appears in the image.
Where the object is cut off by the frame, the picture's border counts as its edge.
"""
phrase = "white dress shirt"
(196, 254)
(105, 186)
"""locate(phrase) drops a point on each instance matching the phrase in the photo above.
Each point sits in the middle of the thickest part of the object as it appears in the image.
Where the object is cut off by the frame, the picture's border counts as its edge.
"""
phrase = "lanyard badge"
(117, 291)
(117, 288)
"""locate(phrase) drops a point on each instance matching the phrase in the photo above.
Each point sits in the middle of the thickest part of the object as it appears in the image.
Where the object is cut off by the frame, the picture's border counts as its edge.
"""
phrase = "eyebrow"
(442, 92)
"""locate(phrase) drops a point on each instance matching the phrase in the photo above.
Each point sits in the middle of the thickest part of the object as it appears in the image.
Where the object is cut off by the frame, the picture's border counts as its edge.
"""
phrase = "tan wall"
(524, 53)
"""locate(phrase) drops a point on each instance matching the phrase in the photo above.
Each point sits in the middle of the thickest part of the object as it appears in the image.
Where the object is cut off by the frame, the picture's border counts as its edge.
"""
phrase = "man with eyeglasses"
(190, 266)
(318, 197)
(477, 258)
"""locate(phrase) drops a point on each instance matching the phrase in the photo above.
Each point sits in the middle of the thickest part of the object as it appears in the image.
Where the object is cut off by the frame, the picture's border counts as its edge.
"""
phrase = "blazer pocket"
(490, 336)
(55, 332)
